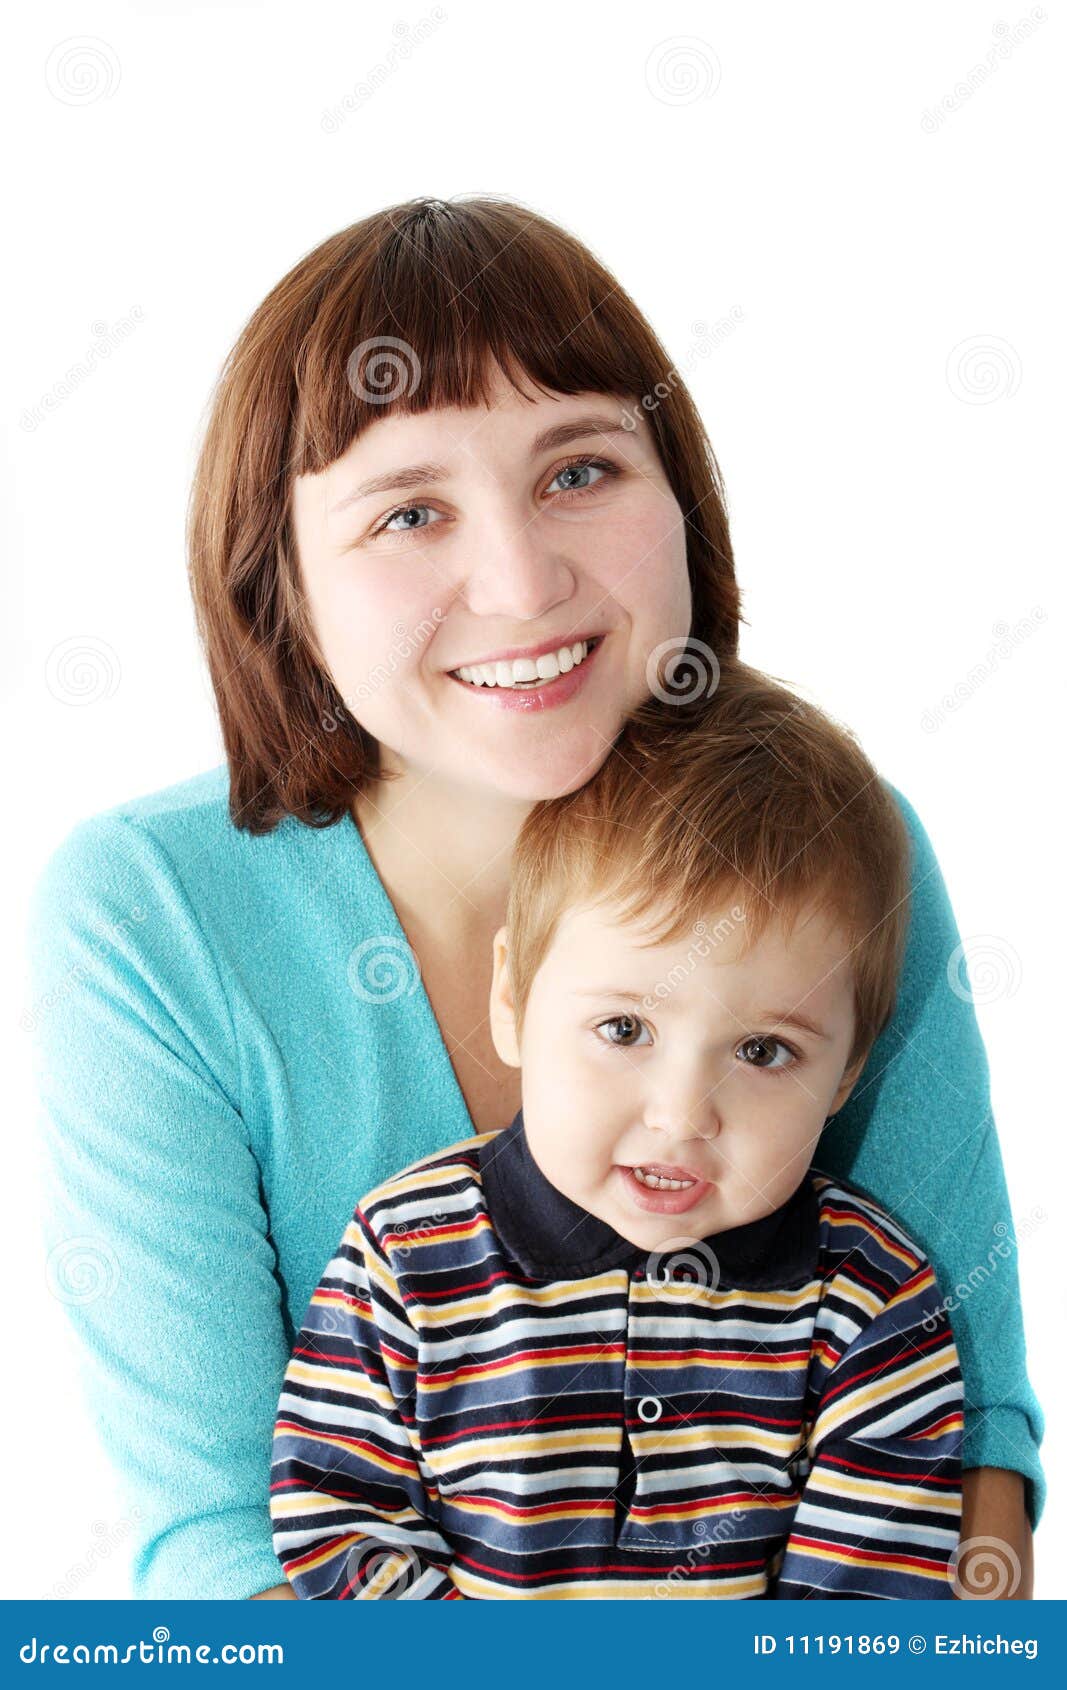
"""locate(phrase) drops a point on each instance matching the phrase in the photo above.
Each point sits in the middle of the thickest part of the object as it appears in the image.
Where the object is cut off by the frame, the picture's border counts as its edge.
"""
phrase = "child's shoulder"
(860, 1237)
(441, 1179)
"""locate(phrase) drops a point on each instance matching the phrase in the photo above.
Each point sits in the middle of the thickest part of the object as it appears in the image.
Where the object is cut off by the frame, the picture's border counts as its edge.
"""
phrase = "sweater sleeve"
(918, 1135)
(156, 1234)
(352, 1514)
(880, 1509)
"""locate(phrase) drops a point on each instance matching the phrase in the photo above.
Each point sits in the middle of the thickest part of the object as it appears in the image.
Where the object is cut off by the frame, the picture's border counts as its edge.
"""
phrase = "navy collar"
(552, 1238)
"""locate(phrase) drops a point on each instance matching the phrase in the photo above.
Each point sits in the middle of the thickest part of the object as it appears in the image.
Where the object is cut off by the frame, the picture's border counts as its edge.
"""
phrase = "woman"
(445, 441)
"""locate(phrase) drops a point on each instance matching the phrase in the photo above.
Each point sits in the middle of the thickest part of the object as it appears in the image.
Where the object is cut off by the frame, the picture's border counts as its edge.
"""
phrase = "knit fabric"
(232, 1043)
(775, 1410)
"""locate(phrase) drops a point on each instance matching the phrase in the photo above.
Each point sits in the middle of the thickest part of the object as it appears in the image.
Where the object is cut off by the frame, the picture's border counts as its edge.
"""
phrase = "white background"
(887, 410)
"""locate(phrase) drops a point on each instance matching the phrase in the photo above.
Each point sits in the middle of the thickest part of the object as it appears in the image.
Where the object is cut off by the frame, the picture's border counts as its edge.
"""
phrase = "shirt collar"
(551, 1238)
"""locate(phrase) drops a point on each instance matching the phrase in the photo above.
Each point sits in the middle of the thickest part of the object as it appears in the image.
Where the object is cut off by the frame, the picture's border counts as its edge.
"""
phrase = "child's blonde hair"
(749, 796)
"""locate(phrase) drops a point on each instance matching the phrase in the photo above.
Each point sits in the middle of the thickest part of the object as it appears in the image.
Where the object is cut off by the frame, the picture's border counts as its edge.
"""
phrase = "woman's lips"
(664, 1202)
(545, 697)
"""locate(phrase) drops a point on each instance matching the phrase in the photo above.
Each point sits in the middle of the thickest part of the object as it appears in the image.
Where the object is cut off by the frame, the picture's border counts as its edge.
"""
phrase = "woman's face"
(483, 541)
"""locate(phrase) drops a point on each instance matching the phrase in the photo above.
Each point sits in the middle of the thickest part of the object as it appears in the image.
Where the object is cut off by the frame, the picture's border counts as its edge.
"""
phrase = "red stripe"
(509, 1425)
(526, 1356)
(461, 1290)
(937, 1341)
(843, 1551)
(681, 1356)
(609, 1567)
(878, 1473)
(866, 1224)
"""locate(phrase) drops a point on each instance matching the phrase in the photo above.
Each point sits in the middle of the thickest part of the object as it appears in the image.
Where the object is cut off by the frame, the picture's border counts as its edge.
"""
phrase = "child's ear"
(501, 1004)
(848, 1081)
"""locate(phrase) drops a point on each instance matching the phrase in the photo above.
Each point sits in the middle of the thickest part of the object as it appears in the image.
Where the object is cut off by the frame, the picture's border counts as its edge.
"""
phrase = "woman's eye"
(575, 476)
(406, 527)
(629, 1024)
(760, 1052)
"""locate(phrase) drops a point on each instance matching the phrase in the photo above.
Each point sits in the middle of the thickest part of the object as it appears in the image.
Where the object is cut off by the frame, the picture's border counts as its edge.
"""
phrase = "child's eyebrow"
(793, 1018)
(768, 1017)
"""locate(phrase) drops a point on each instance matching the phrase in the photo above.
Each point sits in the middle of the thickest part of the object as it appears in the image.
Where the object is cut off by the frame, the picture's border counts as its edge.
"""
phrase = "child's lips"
(643, 1187)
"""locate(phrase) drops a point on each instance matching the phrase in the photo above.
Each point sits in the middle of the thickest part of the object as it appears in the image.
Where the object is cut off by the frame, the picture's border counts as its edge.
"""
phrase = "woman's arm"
(918, 1134)
(1000, 1562)
(158, 1240)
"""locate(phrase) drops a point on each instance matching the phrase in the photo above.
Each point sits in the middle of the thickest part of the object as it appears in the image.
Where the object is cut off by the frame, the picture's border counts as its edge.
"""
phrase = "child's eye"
(764, 1052)
(629, 1023)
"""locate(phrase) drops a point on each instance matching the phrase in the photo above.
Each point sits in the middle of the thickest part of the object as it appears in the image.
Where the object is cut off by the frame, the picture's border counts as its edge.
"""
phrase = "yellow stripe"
(417, 1177)
(584, 1357)
(669, 1438)
(903, 1495)
(376, 1459)
(530, 1516)
(885, 1563)
(606, 1589)
(522, 1443)
(507, 1296)
(885, 1388)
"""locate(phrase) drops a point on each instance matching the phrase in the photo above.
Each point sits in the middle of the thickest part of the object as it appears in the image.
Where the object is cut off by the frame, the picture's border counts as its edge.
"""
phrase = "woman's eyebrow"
(412, 476)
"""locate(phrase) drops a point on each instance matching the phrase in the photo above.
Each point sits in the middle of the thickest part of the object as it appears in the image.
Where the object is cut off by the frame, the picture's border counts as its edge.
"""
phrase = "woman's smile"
(528, 683)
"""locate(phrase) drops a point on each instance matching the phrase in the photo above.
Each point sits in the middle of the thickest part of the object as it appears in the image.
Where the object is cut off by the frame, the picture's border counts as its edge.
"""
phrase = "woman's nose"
(518, 574)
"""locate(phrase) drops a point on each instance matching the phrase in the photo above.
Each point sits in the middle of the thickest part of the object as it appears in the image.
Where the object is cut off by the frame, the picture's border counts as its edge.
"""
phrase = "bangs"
(418, 307)
(452, 291)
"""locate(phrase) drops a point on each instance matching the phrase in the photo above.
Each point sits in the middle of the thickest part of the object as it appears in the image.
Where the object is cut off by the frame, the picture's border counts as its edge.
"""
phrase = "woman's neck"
(442, 855)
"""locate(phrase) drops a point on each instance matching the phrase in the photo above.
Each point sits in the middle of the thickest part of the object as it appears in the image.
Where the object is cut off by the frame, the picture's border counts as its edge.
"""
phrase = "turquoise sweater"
(216, 1096)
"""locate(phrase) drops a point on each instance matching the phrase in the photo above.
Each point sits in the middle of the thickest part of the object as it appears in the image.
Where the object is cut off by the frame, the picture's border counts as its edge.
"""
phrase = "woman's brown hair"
(430, 294)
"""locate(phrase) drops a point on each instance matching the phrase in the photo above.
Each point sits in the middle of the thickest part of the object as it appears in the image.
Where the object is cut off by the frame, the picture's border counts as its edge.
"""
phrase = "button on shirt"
(494, 1394)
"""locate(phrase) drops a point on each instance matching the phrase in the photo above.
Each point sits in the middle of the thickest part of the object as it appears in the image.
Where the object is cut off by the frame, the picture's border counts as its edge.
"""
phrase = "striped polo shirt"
(493, 1394)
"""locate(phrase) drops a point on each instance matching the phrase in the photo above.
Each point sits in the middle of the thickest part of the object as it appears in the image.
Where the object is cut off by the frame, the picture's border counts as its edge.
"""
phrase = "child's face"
(667, 1089)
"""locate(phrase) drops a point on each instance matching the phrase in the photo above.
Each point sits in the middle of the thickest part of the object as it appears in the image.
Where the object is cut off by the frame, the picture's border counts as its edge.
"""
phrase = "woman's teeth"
(527, 671)
(658, 1182)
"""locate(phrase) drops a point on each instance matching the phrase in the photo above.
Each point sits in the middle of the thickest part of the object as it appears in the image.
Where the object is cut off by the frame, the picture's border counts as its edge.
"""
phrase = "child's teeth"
(659, 1183)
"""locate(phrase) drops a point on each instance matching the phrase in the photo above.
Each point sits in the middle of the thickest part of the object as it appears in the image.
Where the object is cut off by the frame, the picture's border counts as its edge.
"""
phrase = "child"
(635, 1344)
